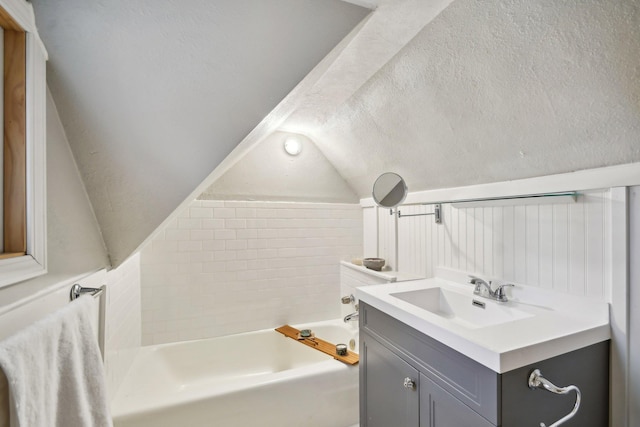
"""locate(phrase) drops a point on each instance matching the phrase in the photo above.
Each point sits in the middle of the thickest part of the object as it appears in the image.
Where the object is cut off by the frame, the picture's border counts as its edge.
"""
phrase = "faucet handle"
(499, 292)
(479, 283)
(348, 299)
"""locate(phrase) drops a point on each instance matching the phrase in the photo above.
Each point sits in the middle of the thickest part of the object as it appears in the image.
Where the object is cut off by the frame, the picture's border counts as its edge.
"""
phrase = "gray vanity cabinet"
(394, 393)
(391, 384)
(408, 379)
(438, 408)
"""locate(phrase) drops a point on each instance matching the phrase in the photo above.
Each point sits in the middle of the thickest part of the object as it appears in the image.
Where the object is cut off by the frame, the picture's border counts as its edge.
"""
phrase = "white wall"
(267, 172)
(76, 254)
(555, 246)
(123, 323)
(350, 279)
(116, 314)
(225, 267)
(74, 242)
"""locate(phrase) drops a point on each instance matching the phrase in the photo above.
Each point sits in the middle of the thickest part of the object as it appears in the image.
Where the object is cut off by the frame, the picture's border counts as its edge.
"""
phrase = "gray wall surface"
(155, 94)
(74, 244)
(634, 307)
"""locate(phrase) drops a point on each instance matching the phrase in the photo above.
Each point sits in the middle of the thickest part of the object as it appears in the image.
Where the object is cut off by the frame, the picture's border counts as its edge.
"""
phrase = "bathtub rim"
(125, 405)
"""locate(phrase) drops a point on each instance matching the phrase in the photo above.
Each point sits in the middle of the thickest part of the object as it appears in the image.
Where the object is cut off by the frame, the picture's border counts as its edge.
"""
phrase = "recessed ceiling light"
(292, 146)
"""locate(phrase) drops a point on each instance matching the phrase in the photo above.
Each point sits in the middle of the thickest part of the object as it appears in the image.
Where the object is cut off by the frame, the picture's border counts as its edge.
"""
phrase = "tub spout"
(352, 316)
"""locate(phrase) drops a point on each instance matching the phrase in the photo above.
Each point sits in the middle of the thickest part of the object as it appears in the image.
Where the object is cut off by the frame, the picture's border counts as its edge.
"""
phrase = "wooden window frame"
(24, 169)
(15, 141)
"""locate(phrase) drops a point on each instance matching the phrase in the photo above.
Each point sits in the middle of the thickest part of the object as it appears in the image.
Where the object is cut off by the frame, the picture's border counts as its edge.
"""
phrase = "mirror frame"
(404, 188)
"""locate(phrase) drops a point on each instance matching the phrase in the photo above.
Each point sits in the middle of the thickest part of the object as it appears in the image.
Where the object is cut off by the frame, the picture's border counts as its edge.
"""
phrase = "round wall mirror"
(389, 190)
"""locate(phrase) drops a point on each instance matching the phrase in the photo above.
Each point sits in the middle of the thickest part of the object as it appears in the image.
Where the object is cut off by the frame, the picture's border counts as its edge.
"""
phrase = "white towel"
(55, 372)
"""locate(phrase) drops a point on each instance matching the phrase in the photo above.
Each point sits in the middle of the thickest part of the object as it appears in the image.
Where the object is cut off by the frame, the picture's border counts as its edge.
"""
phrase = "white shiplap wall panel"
(519, 244)
(429, 243)
(422, 241)
(509, 236)
(453, 231)
(387, 237)
(470, 220)
(532, 245)
(594, 234)
(370, 240)
(577, 241)
(461, 243)
(560, 247)
(555, 246)
(498, 239)
(545, 246)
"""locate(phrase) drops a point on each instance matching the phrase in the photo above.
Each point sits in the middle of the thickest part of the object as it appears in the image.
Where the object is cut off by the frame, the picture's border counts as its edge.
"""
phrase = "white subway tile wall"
(123, 332)
(226, 267)
(555, 246)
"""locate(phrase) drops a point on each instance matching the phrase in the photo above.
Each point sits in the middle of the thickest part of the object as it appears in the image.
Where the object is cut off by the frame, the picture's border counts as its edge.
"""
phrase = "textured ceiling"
(154, 94)
(494, 91)
(341, 74)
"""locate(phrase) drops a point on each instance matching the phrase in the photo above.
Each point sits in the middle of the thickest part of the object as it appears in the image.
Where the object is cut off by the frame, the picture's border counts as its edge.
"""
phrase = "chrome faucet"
(479, 284)
(483, 289)
(353, 316)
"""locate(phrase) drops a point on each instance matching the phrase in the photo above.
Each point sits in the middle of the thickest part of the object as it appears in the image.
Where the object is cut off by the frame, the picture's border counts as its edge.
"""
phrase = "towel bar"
(536, 380)
(77, 290)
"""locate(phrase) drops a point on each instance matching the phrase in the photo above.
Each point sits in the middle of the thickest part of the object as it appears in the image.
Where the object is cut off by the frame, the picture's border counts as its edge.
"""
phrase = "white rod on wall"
(536, 199)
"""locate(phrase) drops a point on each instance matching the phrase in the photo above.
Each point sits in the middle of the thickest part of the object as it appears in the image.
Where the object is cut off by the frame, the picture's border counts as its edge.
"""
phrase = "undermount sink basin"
(472, 313)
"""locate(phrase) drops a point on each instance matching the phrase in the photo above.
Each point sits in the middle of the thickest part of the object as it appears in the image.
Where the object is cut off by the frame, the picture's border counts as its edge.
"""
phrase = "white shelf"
(389, 275)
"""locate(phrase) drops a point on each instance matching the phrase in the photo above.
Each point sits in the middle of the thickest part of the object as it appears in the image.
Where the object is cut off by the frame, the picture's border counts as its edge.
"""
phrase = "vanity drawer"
(470, 382)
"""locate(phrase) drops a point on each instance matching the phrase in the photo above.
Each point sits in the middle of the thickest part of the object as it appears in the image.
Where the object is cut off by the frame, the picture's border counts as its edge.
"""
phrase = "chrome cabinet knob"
(409, 383)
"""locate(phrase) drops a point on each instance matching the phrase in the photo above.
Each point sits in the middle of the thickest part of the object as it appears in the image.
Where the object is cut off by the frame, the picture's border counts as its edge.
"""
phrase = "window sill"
(18, 269)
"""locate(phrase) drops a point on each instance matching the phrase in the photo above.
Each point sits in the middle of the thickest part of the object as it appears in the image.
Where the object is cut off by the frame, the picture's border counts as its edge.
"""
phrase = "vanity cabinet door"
(438, 408)
(388, 387)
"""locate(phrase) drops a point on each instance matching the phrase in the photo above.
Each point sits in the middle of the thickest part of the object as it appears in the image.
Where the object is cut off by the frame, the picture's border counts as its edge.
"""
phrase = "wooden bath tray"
(321, 345)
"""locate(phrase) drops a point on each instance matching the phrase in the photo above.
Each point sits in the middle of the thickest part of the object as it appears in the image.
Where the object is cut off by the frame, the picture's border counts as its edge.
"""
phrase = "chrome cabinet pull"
(536, 380)
(409, 383)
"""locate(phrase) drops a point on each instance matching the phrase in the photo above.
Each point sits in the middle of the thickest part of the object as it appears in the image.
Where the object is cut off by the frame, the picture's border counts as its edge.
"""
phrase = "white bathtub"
(252, 379)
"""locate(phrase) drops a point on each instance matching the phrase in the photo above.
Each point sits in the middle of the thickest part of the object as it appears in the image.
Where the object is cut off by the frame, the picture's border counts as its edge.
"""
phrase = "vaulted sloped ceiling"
(154, 94)
(494, 91)
(267, 172)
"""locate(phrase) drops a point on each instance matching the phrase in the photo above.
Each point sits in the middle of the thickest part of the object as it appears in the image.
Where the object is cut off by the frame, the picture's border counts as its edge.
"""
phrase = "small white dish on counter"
(534, 325)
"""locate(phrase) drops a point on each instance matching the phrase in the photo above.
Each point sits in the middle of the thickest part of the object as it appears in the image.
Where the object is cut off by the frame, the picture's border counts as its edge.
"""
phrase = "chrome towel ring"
(536, 380)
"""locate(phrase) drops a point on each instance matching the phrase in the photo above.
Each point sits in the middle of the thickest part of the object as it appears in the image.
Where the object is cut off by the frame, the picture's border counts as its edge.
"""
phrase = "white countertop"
(556, 323)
